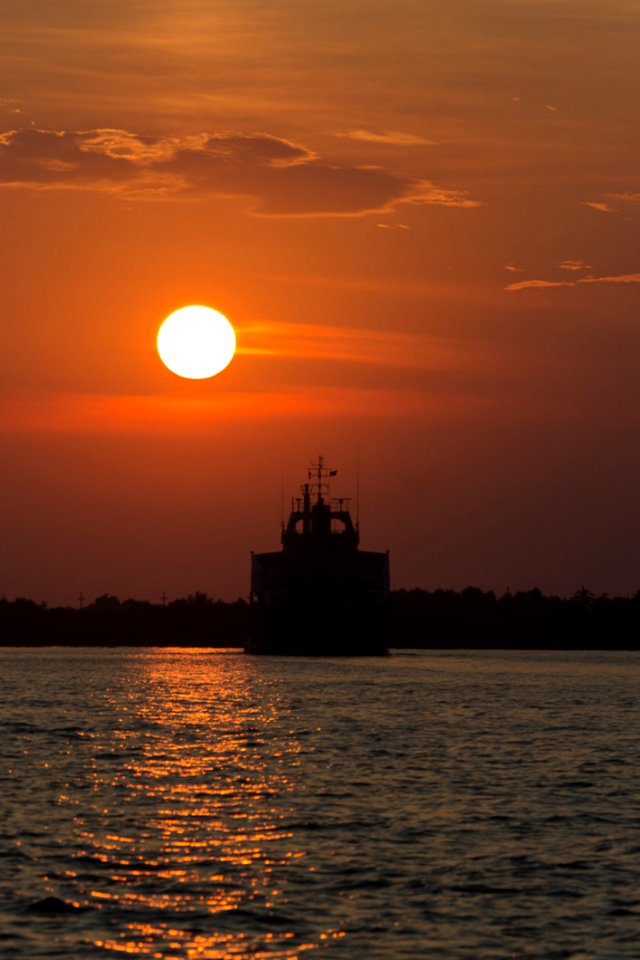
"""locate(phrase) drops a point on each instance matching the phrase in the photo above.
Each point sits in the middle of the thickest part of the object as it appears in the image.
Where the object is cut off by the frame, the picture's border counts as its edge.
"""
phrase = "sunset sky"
(422, 219)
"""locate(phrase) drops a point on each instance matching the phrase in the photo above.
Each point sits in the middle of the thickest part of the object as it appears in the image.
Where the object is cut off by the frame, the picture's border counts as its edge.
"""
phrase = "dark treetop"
(417, 618)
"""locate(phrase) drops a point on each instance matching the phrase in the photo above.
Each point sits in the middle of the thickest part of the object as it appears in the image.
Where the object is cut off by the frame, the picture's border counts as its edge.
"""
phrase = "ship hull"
(325, 630)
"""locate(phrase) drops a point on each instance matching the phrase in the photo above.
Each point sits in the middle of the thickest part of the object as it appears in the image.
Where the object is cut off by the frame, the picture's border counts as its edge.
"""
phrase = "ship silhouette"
(320, 595)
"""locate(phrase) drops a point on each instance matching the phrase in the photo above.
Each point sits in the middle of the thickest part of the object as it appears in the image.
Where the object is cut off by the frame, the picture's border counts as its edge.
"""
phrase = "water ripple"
(200, 804)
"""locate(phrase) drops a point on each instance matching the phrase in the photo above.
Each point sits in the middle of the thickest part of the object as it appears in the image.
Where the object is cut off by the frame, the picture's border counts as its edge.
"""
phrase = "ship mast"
(315, 516)
(318, 474)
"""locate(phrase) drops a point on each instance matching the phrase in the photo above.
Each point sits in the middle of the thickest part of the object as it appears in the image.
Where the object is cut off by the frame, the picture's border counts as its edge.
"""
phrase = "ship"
(319, 595)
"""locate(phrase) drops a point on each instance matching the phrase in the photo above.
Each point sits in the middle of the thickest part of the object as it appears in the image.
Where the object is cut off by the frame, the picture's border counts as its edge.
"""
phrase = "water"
(204, 804)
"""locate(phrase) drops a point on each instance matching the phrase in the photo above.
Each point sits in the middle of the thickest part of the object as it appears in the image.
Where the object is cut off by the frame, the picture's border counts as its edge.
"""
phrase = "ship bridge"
(316, 516)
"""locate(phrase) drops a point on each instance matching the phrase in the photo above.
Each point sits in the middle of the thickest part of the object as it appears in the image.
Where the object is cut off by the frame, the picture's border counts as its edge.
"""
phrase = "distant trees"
(418, 618)
(196, 620)
(473, 618)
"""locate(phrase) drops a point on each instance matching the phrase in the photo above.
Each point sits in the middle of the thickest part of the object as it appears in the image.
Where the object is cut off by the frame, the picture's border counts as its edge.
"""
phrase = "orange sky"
(422, 220)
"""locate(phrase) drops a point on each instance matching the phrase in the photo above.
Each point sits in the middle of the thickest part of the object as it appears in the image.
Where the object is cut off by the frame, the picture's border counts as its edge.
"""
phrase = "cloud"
(357, 345)
(631, 198)
(602, 207)
(624, 278)
(10, 105)
(512, 267)
(426, 192)
(393, 138)
(529, 284)
(272, 176)
(574, 265)
(614, 201)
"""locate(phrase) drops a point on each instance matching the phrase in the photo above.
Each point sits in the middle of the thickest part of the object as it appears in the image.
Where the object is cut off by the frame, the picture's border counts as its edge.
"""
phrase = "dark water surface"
(205, 804)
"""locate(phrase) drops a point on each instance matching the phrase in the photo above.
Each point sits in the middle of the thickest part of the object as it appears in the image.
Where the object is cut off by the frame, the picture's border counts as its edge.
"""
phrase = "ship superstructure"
(320, 594)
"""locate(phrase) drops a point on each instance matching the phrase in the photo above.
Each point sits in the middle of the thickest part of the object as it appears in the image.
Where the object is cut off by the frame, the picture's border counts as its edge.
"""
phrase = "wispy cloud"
(613, 202)
(631, 197)
(271, 175)
(395, 138)
(574, 265)
(359, 345)
(9, 105)
(427, 192)
(533, 284)
(537, 284)
(512, 267)
(623, 278)
(595, 205)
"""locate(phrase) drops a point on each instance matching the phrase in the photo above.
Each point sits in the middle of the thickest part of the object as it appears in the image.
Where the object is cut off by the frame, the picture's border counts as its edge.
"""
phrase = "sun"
(196, 342)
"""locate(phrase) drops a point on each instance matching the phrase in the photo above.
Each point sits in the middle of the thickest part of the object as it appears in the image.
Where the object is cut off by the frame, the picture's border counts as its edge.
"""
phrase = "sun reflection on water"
(185, 843)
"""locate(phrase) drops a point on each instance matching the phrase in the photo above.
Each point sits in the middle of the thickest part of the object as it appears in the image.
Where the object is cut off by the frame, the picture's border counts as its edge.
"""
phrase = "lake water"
(205, 804)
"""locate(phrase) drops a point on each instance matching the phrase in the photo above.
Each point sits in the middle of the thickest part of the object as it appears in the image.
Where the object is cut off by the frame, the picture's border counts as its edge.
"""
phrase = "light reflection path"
(185, 831)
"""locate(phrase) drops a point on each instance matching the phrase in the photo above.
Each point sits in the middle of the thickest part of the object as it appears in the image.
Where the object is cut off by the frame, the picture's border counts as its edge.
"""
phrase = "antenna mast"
(282, 497)
(318, 475)
(357, 488)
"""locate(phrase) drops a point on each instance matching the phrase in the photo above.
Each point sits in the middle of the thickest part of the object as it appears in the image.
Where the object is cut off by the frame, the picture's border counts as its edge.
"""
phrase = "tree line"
(417, 619)
(194, 621)
(526, 619)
